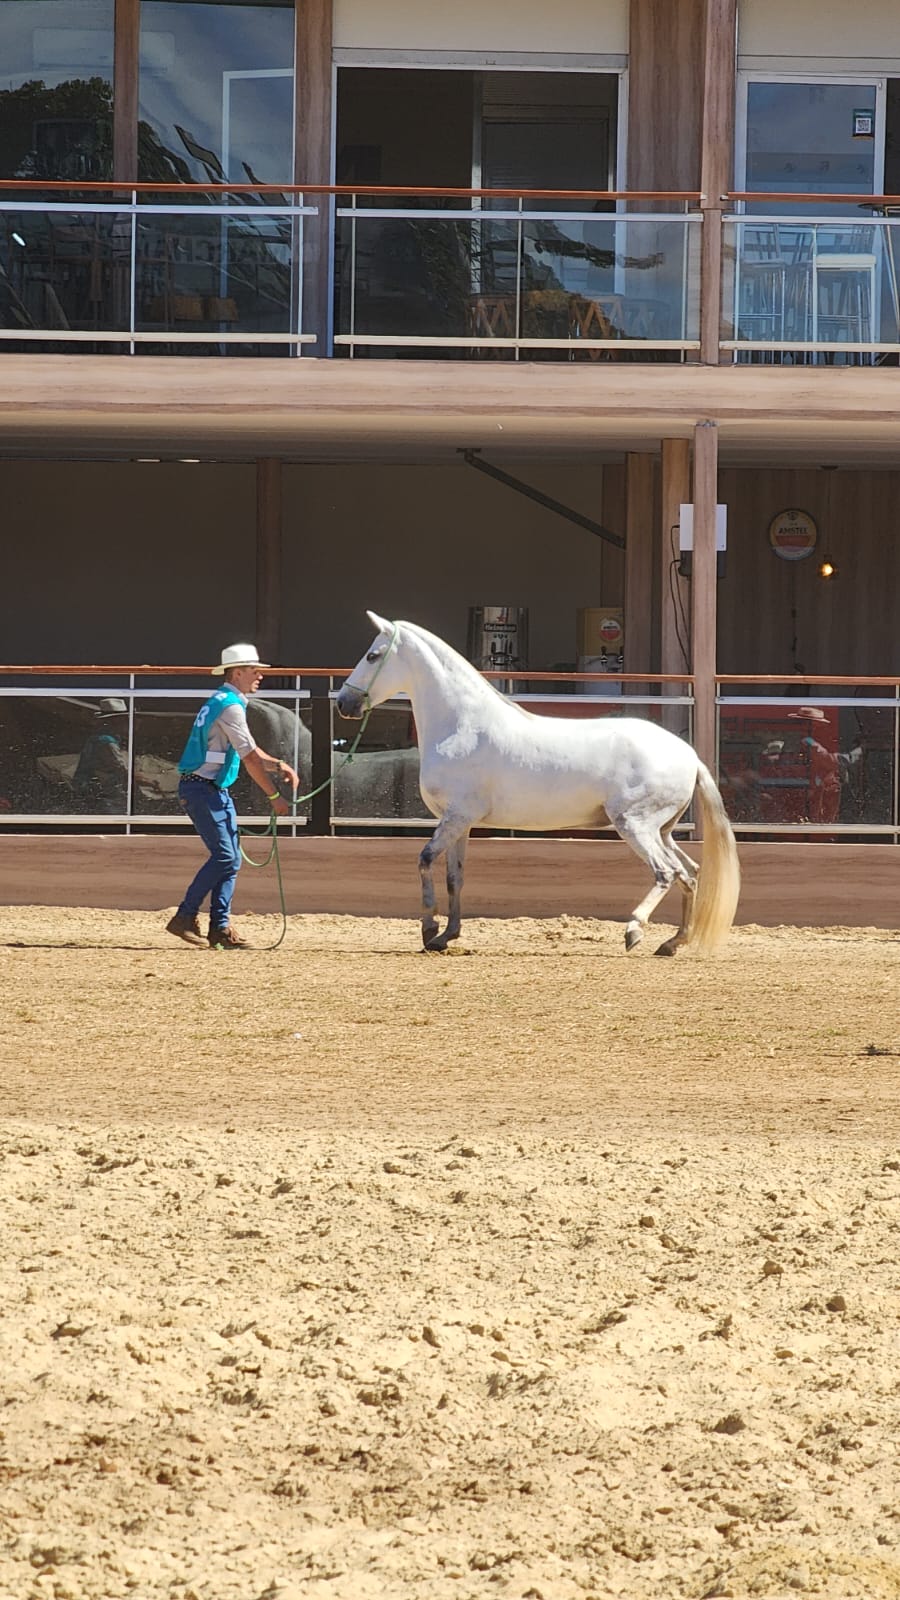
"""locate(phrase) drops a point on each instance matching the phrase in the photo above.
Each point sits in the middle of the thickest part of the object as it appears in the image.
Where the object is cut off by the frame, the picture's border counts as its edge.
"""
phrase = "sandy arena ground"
(528, 1271)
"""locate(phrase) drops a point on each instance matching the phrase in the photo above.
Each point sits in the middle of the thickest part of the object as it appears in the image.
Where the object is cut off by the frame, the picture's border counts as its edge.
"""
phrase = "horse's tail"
(719, 883)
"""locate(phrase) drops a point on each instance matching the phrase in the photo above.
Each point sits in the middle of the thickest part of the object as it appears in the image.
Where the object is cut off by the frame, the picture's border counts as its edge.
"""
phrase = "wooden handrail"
(121, 184)
(831, 680)
(146, 671)
(813, 199)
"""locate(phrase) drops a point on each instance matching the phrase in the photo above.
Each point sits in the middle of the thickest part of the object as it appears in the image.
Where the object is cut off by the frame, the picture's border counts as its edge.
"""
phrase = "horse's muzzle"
(350, 703)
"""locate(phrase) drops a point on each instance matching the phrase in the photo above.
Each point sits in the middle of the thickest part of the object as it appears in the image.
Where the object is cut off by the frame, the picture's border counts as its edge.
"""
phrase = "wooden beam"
(703, 583)
(312, 158)
(639, 482)
(268, 557)
(664, 93)
(719, 80)
(716, 164)
(126, 56)
(675, 592)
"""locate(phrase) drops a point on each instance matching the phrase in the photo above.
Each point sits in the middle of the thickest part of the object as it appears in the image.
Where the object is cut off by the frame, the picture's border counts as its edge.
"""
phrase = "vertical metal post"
(519, 254)
(353, 276)
(129, 789)
(132, 298)
(295, 758)
(322, 760)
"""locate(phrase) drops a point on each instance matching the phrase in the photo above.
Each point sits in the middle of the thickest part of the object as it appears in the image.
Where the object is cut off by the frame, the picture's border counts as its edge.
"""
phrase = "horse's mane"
(443, 651)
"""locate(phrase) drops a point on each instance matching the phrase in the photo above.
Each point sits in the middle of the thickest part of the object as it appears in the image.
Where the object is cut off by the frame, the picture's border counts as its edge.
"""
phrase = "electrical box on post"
(686, 540)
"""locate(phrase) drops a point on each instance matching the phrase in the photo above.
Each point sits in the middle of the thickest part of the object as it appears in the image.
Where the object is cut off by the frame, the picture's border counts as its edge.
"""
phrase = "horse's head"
(376, 677)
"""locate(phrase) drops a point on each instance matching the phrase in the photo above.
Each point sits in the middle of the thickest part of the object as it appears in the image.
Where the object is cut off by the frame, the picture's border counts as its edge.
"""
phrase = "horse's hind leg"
(450, 835)
(687, 877)
(646, 842)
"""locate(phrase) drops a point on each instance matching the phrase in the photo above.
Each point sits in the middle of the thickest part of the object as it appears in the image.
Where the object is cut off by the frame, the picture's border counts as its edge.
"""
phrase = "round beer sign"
(610, 630)
(793, 534)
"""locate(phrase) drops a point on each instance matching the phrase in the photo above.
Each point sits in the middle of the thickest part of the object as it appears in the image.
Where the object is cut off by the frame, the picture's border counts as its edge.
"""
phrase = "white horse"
(488, 763)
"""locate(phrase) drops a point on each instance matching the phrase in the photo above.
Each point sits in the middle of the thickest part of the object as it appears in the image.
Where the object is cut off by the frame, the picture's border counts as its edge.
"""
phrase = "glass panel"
(161, 728)
(482, 279)
(215, 273)
(811, 138)
(65, 270)
(216, 91)
(63, 754)
(831, 282)
(56, 95)
(780, 765)
(382, 780)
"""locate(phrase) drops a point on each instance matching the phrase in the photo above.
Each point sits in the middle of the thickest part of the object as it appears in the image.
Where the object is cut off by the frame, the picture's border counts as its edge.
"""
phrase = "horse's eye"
(374, 655)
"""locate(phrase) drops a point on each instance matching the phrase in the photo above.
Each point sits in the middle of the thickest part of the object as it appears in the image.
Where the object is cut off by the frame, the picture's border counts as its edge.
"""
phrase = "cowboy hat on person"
(238, 655)
(112, 707)
(810, 714)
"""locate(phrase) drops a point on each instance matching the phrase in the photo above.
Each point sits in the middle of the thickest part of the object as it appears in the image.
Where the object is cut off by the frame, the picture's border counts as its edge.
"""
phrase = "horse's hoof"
(633, 936)
(667, 949)
(431, 939)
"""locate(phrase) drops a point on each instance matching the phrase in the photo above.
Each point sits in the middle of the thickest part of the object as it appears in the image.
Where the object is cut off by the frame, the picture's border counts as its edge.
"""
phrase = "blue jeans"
(212, 812)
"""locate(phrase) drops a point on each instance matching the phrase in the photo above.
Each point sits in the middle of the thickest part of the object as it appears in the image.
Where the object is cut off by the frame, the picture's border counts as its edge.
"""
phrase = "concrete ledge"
(807, 885)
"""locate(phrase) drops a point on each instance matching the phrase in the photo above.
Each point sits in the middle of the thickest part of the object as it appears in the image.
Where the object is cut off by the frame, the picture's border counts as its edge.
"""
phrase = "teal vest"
(196, 751)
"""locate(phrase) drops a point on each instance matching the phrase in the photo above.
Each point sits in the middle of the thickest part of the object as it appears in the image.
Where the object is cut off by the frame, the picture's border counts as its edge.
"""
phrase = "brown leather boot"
(226, 939)
(186, 928)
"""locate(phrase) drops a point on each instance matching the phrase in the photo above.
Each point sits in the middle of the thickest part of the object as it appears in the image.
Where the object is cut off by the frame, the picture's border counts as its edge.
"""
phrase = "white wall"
(823, 33)
(119, 563)
(424, 544)
(116, 563)
(501, 26)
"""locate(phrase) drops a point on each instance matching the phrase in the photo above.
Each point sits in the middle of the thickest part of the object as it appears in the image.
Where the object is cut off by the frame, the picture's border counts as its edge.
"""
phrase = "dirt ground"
(533, 1270)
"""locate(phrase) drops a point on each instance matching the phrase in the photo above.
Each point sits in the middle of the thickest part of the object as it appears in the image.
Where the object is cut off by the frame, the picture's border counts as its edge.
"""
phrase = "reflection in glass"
(215, 273)
(56, 95)
(65, 270)
(382, 780)
(571, 278)
(779, 765)
(62, 754)
(216, 91)
(161, 728)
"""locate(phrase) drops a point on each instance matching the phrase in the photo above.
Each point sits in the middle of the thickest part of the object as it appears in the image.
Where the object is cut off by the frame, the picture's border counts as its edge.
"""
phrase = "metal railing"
(571, 274)
(98, 747)
(495, 272)
(217, 273)
(815, 287)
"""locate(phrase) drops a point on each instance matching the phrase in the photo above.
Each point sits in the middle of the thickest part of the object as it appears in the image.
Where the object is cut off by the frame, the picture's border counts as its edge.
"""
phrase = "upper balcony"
(573, 275)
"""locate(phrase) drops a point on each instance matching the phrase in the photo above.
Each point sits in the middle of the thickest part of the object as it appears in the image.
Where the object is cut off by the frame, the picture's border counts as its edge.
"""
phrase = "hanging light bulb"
(827, 569)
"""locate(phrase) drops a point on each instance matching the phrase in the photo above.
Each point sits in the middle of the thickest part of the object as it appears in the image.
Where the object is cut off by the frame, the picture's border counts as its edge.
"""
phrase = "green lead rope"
(270, 831)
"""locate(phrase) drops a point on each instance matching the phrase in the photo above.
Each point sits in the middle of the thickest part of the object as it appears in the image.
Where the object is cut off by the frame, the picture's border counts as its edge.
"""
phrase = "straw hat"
(112, 708)
(237, 655)
(810, 714)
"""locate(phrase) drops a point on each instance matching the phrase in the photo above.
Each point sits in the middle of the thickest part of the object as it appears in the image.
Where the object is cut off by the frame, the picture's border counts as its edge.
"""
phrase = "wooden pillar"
(675, 592)
(664, 93)
(716, 162)
(268, 558)
(125, 89)
(638, 562)
(312, 158)
(703, 585)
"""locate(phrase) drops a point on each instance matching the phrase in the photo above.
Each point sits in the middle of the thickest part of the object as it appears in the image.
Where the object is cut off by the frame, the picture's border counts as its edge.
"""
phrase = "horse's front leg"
(451, 836)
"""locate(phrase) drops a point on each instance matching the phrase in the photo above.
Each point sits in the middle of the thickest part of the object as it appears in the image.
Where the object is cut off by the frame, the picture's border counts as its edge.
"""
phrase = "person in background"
(219, 742)
(101, 777)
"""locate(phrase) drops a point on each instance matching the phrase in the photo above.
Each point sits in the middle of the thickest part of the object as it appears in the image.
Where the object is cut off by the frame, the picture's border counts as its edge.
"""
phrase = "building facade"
(312, 307)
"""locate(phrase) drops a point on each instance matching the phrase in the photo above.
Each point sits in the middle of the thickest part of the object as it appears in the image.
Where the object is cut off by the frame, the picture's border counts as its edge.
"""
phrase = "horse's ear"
(378, 623)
